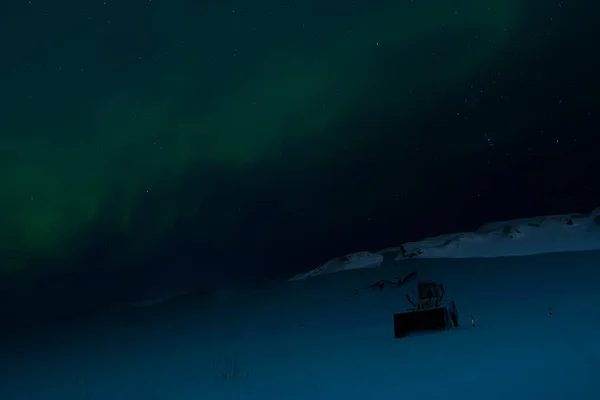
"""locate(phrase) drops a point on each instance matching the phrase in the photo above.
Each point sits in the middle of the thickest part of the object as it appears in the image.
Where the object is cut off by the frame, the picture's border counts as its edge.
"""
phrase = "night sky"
(147, 145)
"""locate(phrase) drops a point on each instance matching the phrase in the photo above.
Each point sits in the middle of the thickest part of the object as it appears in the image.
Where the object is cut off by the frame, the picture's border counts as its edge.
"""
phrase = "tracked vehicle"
(428, 314)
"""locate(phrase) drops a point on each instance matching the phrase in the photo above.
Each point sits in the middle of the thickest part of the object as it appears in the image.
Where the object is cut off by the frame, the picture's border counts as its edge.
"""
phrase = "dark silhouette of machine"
(429, 313)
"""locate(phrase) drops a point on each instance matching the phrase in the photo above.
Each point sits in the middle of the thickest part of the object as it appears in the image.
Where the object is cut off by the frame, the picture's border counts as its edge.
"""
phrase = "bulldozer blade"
(433, 319)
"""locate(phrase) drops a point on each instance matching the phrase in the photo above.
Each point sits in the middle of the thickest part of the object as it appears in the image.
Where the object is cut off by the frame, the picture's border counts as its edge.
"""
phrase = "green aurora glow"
(73, 144)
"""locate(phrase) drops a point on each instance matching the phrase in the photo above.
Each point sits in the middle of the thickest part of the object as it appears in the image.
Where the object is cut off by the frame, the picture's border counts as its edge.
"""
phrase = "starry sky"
(147, 144)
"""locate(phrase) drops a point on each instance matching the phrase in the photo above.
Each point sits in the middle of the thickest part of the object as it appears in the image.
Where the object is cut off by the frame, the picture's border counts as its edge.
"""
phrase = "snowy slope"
(359, 260)
(538, 235)
(331, 337)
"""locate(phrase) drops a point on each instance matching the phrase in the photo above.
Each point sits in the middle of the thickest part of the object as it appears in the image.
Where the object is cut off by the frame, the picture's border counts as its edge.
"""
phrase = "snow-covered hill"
(528, 236)
(359, 260)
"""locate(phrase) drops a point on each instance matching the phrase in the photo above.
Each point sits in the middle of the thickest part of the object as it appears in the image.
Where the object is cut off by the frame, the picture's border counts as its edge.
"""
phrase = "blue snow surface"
(537, 336)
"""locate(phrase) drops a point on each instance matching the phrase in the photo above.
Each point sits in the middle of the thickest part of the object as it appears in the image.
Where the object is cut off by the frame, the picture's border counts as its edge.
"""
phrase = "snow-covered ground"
(331, 337)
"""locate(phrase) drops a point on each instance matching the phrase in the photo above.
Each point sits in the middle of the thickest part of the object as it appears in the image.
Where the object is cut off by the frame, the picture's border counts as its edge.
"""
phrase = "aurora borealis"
(153, 130)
